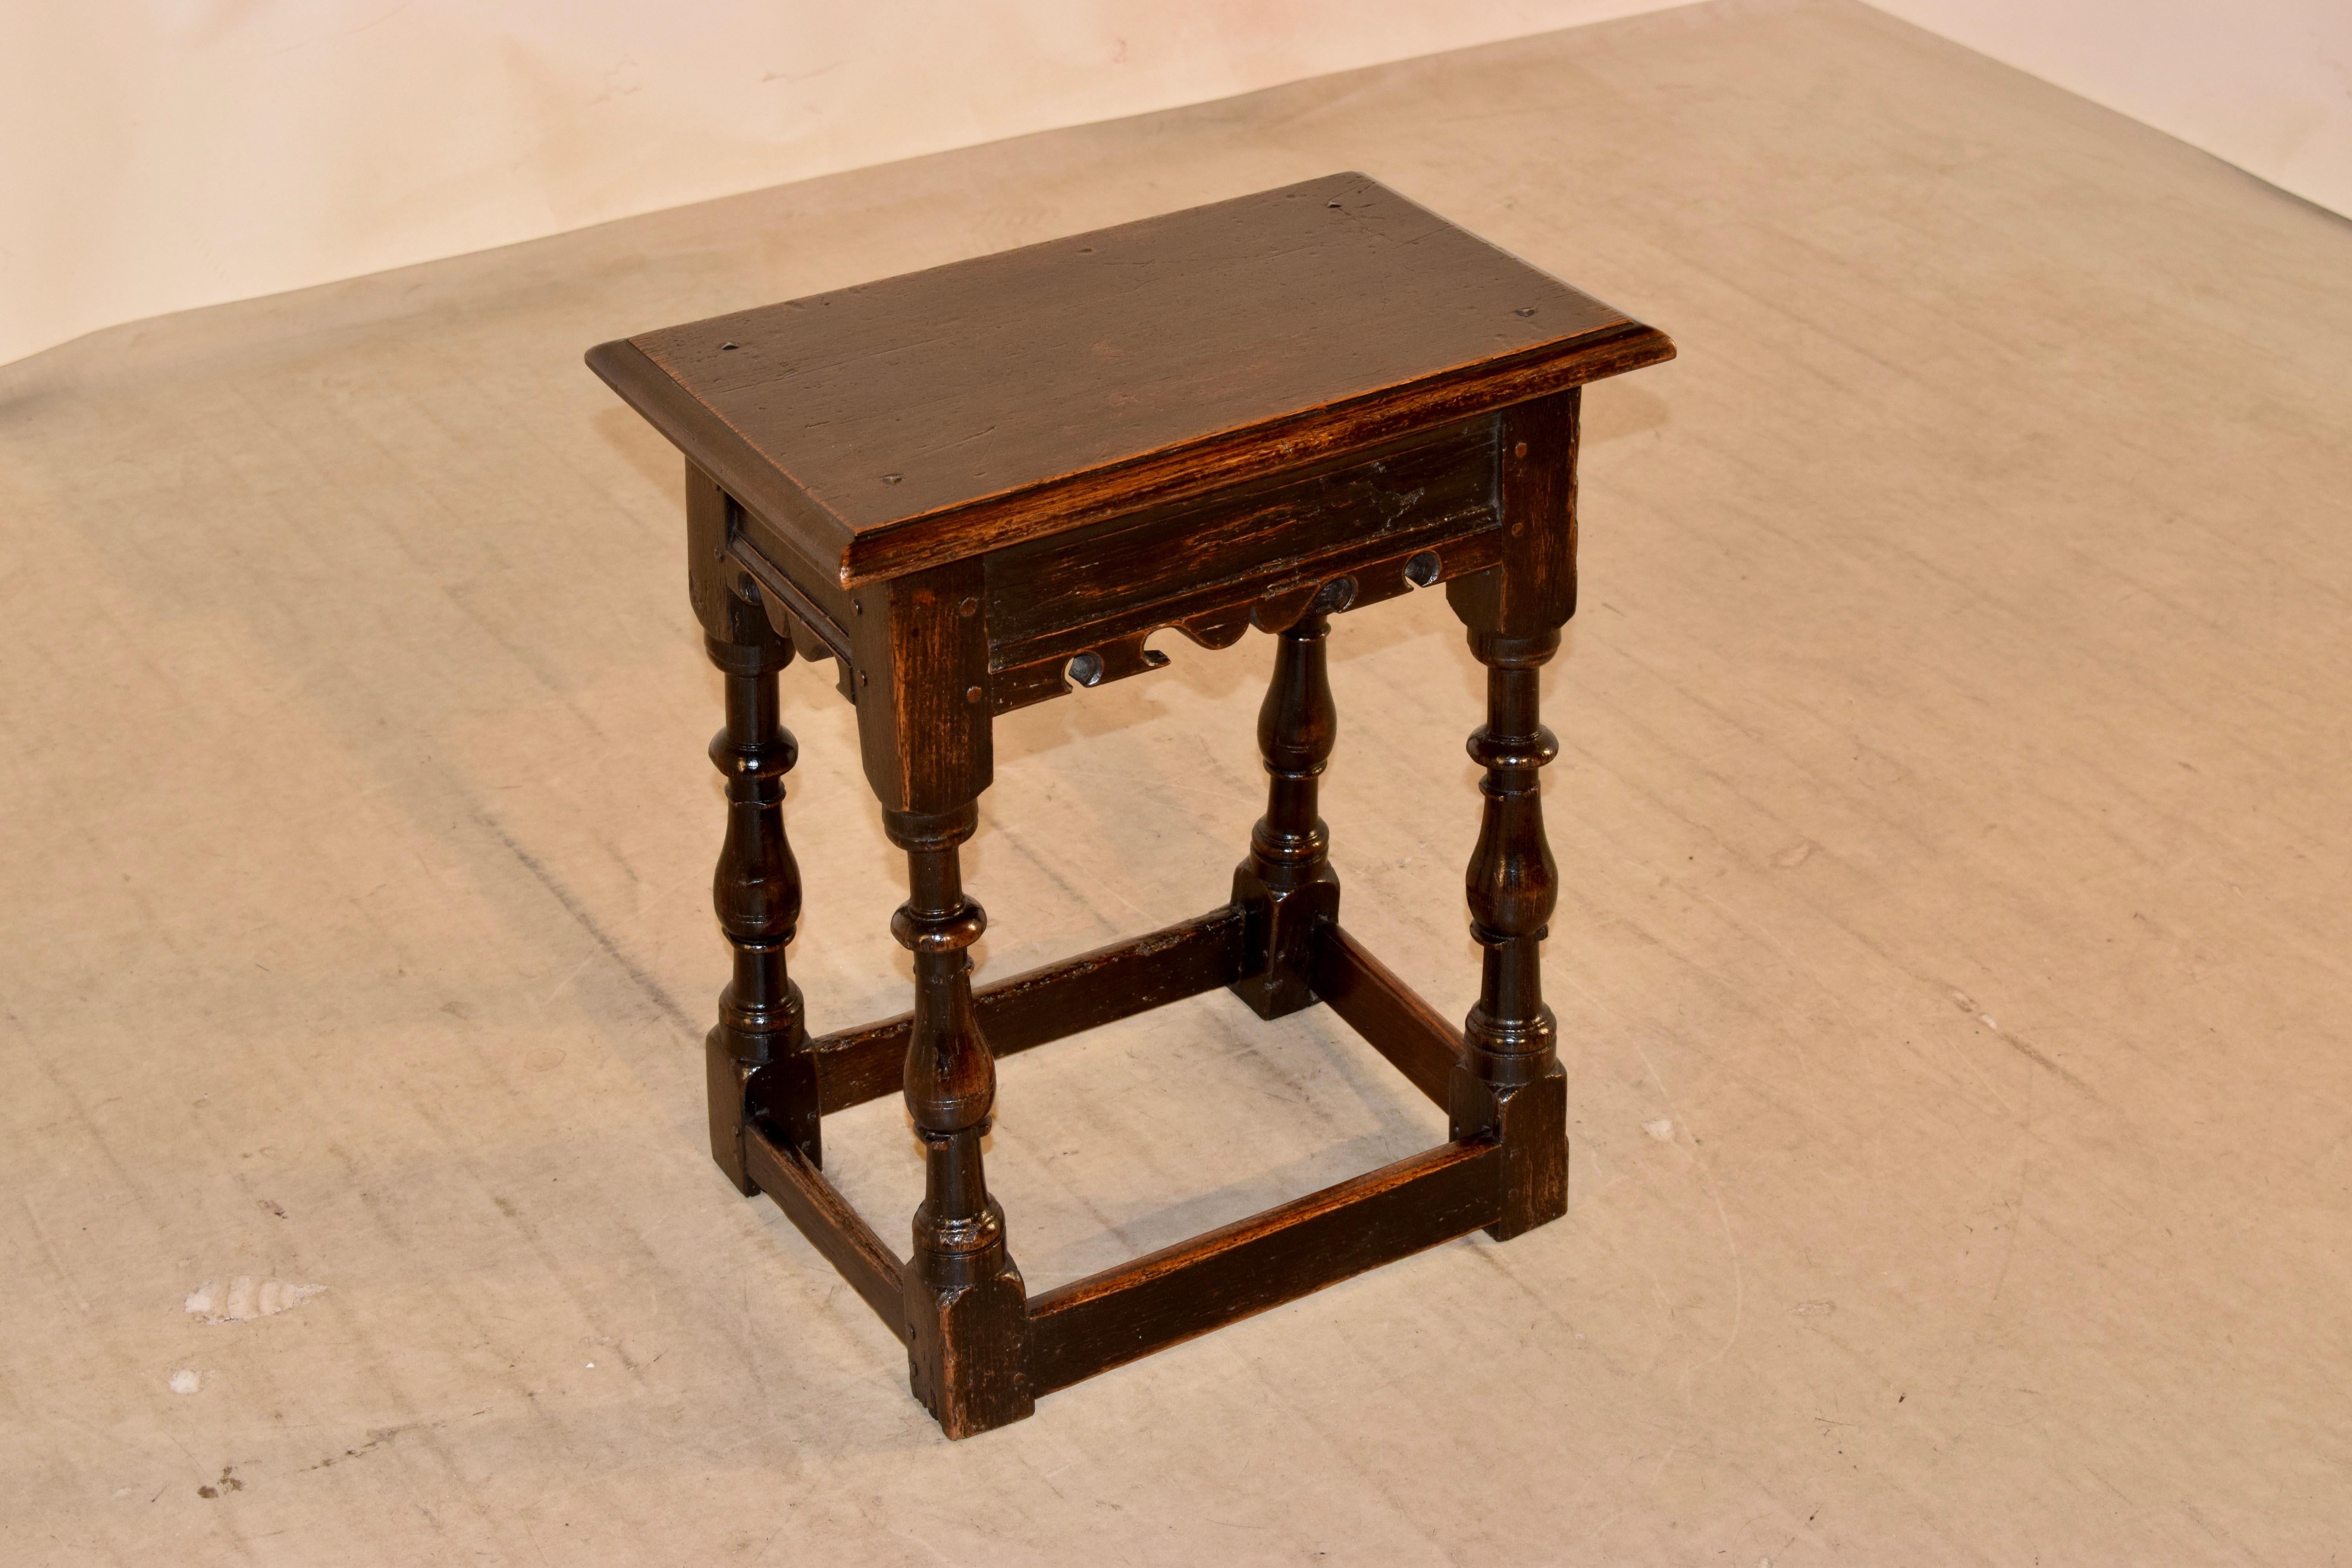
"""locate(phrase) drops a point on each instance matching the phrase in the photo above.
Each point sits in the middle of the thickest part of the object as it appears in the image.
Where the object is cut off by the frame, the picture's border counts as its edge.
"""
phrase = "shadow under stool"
(973, 485)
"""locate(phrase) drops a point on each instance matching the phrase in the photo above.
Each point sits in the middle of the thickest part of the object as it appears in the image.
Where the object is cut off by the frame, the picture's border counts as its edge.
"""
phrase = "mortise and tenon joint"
(974, 488)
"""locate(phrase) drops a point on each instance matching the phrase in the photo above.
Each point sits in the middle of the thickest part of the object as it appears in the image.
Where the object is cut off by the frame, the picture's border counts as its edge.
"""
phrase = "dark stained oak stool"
(970, 487)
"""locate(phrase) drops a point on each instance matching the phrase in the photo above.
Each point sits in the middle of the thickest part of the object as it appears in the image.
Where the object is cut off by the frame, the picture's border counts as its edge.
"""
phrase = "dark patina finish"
(973, 485)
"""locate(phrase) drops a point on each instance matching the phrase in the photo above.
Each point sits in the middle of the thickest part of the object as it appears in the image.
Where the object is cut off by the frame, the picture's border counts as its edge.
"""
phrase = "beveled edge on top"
(1064, 502)
(720, 450)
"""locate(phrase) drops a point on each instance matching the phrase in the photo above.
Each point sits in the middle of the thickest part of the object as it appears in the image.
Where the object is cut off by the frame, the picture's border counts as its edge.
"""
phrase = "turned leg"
(1509, 1085)
(923, 724)
(757, 891)
(1510, 1082)
(965, 1303)
(1286, 885)
(756, 1056)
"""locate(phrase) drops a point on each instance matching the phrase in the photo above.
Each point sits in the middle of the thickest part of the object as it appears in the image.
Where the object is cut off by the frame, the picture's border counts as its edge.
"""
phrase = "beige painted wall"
(2265, 84)
(160, 155)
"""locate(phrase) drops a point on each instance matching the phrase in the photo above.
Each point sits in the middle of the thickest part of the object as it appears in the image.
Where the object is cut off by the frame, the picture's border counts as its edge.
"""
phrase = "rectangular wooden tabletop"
(942, 414)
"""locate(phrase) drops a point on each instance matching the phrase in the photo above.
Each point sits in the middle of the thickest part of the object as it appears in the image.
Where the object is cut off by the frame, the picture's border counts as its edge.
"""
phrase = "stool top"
(939, 415)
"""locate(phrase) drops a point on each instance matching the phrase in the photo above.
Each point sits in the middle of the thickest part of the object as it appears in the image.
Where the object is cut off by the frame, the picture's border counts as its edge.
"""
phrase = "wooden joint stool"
(973, 485)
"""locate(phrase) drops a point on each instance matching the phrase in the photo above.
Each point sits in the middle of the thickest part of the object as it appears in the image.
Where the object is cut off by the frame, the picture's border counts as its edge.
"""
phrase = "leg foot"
(966, 1314)
(1532, 1119)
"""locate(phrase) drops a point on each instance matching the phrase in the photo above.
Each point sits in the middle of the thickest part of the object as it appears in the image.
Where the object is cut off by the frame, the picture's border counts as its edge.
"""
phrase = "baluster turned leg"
(924, 727)
(757, 1052)
(757, 891)
(965, 1302)
(1287, 884)
(1510, 1085)
(1511, 1082)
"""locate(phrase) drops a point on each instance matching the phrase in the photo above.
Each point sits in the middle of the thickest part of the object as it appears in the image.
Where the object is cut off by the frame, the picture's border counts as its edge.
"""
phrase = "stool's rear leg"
(757, 886)
(1511, 1083)
(1286, 885)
